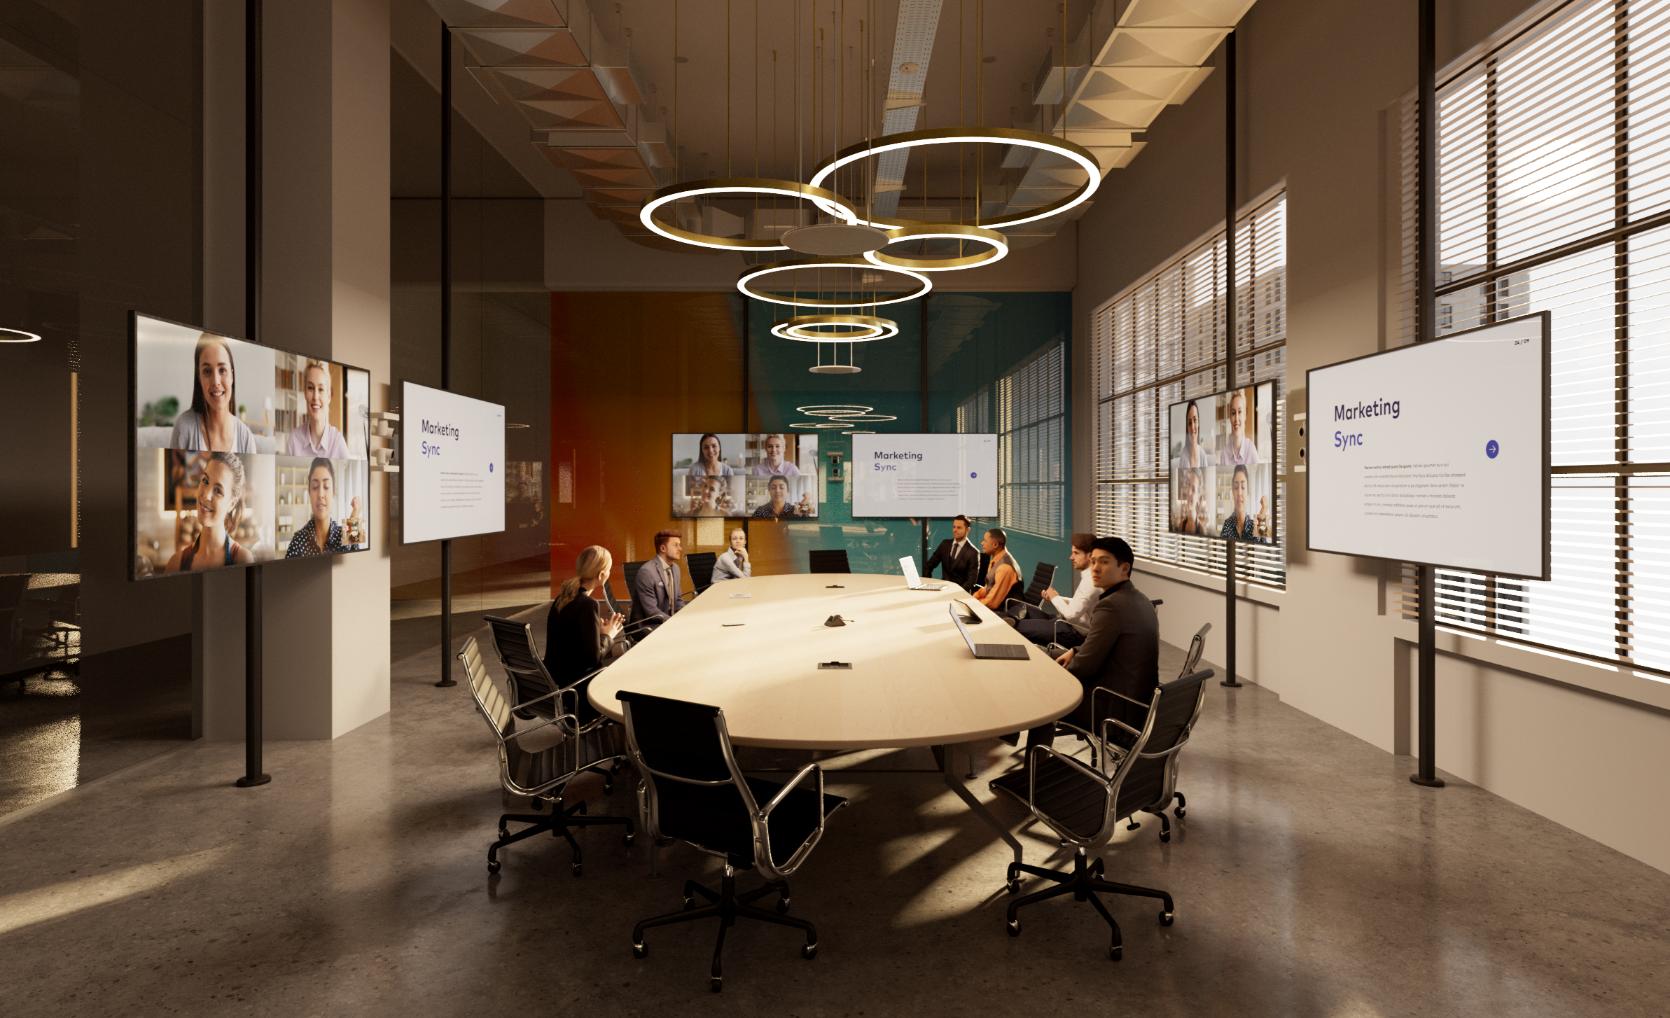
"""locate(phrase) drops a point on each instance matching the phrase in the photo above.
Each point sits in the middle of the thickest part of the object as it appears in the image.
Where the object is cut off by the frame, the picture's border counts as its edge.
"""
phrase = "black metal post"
(446, 327)
(1426, 283)
(252, 326)
(1230, 678)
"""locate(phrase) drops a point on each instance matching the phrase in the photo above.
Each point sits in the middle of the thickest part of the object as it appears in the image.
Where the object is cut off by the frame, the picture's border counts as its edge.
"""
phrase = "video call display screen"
(243, 453)
(771, 476)
(1223, 465)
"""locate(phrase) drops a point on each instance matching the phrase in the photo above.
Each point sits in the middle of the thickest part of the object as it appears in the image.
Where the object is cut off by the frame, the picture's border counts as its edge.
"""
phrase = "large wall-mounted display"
(936, 476)
(1222, 481)
(764, 477)
(242, 453)
(452, 465)
(1436, 453)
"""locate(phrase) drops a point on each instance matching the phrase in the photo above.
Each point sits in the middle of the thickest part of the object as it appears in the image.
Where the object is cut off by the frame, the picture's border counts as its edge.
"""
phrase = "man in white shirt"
(1074, 611)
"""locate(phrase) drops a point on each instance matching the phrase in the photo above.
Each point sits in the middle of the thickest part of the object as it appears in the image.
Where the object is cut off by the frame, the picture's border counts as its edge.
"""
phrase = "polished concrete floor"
(1311, 878)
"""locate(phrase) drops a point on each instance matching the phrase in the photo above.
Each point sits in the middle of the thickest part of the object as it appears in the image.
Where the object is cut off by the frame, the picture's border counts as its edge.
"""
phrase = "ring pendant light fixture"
(746, 283)
(835, 328)
(18, 336)
(996, 246)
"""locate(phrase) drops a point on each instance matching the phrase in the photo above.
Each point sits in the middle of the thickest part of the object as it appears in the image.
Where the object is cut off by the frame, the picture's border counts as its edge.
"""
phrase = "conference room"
(834, 507)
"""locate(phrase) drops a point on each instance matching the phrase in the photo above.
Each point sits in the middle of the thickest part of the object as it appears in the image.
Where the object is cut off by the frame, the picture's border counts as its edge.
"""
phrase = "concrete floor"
(1311, 878)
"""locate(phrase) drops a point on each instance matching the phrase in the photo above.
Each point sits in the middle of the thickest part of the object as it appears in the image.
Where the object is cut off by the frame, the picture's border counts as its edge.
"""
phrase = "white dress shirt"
(1076, 610)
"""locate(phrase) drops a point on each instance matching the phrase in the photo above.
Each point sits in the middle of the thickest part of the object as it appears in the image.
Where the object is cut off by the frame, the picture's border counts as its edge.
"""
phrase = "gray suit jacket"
(650, 596)
(1121, 651)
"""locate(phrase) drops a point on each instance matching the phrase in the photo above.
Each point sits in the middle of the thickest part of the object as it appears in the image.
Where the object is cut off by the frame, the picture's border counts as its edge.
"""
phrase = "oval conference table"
(754, 646)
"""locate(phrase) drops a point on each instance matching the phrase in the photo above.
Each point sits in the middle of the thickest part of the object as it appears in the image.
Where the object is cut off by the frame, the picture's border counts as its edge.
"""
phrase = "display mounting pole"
(1426, 283)
(446, 327)
(253, 775)
(1230, 676)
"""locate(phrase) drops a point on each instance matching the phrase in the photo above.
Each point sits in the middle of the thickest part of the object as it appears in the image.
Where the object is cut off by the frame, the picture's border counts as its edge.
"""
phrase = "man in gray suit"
(1121, 650)
(657, 591)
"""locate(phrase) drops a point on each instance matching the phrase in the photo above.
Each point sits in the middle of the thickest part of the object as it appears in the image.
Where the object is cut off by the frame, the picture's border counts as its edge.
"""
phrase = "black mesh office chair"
(1043, 578)
(700, 566)
(698, 794)
(1084, 803)
(828, 560)
(1168, 791)
(538, 761)
(532, 685)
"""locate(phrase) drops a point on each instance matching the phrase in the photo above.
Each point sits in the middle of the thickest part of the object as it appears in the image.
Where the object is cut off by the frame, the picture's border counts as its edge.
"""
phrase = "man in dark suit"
(1121, 650)
(958, 559)
(657, 590)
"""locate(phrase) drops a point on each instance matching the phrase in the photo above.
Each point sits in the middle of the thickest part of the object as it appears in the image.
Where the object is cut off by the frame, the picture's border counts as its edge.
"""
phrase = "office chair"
(530, 683)
(699, 564)
(1043, 578)
(1083, 803)
(696, 792)
(632, 628)
(538, 761)
(1168, 791)
(828, 560)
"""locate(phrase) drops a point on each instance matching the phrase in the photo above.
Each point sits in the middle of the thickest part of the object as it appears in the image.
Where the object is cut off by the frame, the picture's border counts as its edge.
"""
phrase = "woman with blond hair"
(577, 641)
(220, 501)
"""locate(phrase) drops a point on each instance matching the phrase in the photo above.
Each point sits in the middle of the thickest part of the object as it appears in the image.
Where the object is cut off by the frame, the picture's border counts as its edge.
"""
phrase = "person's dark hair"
(1116, 547)
(1084, 542)
(703, 439)
(1240, 468)
(204, 341)
(662, 537)
(774, 479)
(998, 535)
(330, 468)
(960, 518)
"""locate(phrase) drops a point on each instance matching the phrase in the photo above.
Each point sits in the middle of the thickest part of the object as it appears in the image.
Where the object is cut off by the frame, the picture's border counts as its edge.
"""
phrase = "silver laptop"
(986, 651)
(913, 579)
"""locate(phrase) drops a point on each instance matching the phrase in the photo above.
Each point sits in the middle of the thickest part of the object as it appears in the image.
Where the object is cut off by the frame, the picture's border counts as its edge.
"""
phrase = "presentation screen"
(1436, 453)
(451, 465)
(1222, 481)
(924, 475)
(771, 476)
(242, 453)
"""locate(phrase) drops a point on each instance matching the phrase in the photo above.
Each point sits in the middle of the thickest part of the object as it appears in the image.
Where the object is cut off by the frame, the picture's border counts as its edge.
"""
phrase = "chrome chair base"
(1082, 883)
(728, 906)
(559, 822)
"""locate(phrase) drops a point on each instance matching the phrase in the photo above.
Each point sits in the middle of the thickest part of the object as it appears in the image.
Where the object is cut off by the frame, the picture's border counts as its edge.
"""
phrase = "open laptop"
(986, 651)
(913, 579)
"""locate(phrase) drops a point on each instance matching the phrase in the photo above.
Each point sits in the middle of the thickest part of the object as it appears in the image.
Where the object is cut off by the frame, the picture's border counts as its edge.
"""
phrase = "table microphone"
(834, 621)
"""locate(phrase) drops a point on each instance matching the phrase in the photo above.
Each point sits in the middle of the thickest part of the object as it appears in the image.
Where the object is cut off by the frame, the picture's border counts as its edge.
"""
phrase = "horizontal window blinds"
(1554, 195)
(1164, 340)
(1031, 445)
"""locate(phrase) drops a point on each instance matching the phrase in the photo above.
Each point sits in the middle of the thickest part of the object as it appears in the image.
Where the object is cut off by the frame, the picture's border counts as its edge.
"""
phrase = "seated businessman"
(656, 590)
(958, 559)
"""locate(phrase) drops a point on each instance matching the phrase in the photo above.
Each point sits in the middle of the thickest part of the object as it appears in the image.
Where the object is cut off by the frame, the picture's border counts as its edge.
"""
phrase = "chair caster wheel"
(575, 868)
(1014, 927)
(492, 866)
(1116, 952)
(1013, 887)
(809, 951)
(1179, 813)
(1165, 837)
(1167, 918)
(689, 903)
(608, 788)
(716, 983)
(782, 905)
(640, 951)
(629, 838)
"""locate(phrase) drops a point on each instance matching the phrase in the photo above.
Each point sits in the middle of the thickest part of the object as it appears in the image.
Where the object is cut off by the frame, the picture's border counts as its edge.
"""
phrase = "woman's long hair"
(593, 561)
(204, 341)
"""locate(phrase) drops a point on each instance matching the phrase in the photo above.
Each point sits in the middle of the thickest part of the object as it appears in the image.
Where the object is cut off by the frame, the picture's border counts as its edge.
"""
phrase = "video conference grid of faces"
(243, 453)
(757, 476)
(1223, 465)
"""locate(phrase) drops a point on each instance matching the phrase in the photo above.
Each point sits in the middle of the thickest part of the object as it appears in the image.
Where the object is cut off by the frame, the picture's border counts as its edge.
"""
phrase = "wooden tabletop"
(752, 646)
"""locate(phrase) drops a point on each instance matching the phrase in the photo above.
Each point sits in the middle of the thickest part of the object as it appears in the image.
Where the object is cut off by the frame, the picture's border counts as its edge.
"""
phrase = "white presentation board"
(1437, 453)
(924, 475)
(451, 465)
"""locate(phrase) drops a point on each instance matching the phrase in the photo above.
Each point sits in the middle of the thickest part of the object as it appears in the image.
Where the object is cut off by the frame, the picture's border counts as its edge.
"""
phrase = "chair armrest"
(782, 793)
(1033, 754)
(777, 800)
(1009, 603)
(1099, 690)
(1060, 624)
(1135, 734)
(572, 721)
(543, 697)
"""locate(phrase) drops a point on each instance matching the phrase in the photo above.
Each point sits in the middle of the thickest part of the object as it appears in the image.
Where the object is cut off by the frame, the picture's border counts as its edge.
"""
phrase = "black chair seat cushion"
(1063, 793)
(715, 819)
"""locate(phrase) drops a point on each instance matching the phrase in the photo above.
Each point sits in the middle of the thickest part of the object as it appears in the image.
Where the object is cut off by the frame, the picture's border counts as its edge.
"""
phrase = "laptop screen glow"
(912, 577)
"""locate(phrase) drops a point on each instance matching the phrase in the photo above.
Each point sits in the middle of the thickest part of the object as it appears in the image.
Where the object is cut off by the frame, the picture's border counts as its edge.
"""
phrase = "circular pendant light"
(999, 136)
(18, 336)
(835, 240)
(737, 187)
(835, 328)
(835, 369)
(817, 424)
(747, 284)
(994, 247)
(833, 409)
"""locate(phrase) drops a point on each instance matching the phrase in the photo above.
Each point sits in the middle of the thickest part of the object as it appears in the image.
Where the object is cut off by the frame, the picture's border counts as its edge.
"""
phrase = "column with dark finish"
(446, 328)
(1230, 678)
(252, 324)
(1426, 285)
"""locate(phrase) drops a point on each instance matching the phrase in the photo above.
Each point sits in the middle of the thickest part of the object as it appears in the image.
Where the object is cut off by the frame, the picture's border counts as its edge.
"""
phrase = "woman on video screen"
(710, 461)
(320, 536)
(1238, 526)
(212, 424)
(220, 496)
(1238, 450)
(314, 436)
(1193, 454)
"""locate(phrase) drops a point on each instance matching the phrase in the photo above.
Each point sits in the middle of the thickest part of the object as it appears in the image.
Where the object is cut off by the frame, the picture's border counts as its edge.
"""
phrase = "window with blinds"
(1554, 195)
(1162, 341)
(1031, 427)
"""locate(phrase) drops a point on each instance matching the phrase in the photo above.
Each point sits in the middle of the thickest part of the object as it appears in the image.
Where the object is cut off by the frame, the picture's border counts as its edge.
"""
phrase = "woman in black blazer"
(577, 641)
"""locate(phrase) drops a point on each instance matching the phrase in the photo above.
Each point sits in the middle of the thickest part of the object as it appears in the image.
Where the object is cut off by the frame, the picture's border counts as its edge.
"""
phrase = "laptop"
(913, 579)
(986, 651)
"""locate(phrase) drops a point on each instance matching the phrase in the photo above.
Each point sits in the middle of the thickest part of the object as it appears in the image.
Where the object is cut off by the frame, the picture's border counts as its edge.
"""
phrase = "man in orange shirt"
(1001, 570)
